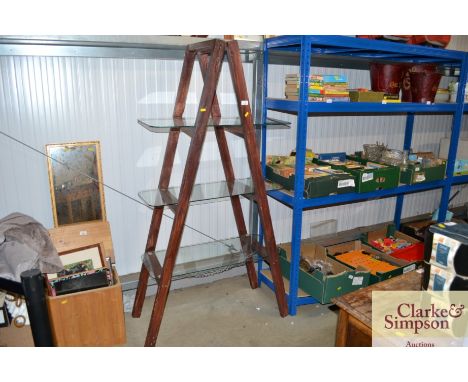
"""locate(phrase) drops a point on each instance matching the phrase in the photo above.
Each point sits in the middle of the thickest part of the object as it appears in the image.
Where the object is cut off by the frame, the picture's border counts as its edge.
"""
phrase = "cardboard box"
(317, 284)
(416, 229)
(414, 252)
(366, 96)
(403, 266)
(370, 177)
(322, 184)
(413, 174)
(344, 236)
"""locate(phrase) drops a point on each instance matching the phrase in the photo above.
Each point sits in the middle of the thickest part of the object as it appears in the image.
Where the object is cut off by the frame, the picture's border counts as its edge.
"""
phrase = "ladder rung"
(222, 254)
(155, 266)
(237, 131)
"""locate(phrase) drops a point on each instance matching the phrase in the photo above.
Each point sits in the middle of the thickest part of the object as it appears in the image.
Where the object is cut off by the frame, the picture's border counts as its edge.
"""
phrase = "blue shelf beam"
(368, 47)
(460, 179)
(353, 197)
(360, 107)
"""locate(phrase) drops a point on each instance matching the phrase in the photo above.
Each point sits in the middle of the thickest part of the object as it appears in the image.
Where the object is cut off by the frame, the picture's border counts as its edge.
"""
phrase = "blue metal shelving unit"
(309, 47)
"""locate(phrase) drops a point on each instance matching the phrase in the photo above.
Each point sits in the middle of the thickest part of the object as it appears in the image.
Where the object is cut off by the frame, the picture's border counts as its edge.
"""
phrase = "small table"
(354, 326)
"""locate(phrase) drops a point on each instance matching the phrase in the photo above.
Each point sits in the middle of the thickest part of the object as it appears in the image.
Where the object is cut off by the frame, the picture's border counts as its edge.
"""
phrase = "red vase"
(424, 86)
(406, 83)
(386, 77)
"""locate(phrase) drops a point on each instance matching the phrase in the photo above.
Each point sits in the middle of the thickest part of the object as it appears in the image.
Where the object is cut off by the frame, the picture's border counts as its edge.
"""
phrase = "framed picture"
(75, 179)
(80, 260)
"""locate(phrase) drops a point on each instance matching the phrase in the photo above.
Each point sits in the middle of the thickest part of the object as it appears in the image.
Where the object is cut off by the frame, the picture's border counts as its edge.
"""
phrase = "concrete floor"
(228, 313)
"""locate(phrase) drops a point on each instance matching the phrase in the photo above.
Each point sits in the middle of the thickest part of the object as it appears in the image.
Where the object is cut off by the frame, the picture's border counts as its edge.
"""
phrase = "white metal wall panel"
(55, 100)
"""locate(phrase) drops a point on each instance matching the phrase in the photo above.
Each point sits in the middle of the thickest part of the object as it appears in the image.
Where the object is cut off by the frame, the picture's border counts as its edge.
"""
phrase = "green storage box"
(372, 178)
(415, 173)
(318, 285)
(403, 265)
(329, 184)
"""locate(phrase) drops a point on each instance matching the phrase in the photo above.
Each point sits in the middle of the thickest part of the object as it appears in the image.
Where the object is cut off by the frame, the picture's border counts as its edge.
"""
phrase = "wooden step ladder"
(210, 56)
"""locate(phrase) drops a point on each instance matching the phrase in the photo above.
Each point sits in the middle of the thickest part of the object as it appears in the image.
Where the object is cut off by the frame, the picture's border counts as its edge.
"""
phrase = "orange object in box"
(359, 258)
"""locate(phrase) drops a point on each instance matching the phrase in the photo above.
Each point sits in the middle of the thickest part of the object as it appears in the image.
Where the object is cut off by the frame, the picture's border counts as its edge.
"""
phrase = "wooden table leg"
(342, 329)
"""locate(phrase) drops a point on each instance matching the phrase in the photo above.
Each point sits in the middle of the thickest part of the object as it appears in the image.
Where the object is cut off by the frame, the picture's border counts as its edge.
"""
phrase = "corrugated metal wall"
(54, 100)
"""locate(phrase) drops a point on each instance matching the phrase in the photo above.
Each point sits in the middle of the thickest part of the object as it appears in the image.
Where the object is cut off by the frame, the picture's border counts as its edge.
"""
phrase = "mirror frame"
(96, 144)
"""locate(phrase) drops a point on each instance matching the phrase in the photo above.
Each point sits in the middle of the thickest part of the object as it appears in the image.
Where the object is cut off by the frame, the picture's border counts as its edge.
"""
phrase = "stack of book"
(322, 88)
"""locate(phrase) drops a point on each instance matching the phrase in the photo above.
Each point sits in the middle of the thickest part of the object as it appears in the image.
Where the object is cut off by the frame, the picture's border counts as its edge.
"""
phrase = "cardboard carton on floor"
(403, 266)
(344, 236)
(319, 285)
(414, 252)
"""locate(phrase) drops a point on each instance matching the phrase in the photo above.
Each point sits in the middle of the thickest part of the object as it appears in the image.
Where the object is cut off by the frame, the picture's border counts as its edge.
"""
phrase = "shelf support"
(301, 143)
(263, 144)
(406, 146)
(453, 147)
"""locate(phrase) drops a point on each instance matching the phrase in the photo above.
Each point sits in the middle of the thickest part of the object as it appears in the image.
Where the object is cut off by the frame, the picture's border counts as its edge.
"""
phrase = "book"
(310, 99)
(321, 98)
(324, 78)
(388, 97)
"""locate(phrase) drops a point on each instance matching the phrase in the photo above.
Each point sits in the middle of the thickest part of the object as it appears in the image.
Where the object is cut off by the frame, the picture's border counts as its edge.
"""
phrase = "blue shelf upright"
(342, 48)
(453, 147)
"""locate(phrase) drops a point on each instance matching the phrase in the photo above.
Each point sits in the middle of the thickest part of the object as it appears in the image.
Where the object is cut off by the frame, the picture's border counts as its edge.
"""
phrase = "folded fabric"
(25, 244)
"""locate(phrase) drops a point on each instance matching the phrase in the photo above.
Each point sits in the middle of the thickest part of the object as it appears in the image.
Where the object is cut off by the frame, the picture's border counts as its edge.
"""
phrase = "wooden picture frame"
(80, 259)
(75, 180)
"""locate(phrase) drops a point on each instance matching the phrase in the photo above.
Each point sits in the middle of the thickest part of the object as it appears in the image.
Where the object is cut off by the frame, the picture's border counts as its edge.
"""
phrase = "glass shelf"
(203, 193)
(207, 258)
(165, 124)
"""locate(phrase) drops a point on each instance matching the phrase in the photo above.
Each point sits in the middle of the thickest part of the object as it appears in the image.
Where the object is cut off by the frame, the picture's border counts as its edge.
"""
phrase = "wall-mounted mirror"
(75, 178)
